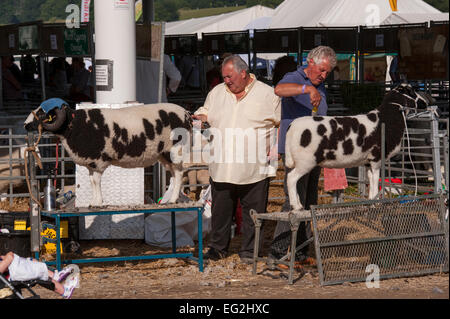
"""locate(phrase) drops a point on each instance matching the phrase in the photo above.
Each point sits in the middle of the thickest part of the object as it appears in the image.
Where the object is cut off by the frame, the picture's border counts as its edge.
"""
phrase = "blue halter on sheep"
(135, 136)
(349, 141)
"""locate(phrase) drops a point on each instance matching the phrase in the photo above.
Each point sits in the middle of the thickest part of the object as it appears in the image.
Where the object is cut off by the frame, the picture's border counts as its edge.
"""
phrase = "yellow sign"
(393, 4)
(20, 225)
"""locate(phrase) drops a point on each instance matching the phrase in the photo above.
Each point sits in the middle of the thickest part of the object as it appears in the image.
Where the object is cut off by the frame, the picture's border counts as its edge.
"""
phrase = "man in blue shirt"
(303, 94)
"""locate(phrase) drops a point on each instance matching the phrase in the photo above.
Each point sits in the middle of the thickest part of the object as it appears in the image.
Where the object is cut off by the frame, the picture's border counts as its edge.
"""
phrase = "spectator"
(147, 79)
(79, 88)
(240, 103)
(15, 70)
(283, 65)
(58, 78)
(214, 76)
(303, 94)
(12, 89)
(28, 67)
(190, 72)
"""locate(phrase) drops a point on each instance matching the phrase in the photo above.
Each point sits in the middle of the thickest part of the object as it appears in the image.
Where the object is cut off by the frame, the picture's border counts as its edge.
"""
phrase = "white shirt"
(252, 118)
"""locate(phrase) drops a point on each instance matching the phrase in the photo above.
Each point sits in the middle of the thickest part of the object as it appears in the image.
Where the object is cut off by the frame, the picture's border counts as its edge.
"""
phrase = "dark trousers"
(307, 188)
(224, 202)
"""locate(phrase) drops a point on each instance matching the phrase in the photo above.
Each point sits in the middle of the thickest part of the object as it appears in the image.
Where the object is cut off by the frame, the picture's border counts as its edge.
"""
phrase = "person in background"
(303, 94)
(15, 70)
(79, 89)
(147, 79)
(58, 76)
(190, 72)
(283, 65)
(12, 89)
(241, 102)
(28, 68)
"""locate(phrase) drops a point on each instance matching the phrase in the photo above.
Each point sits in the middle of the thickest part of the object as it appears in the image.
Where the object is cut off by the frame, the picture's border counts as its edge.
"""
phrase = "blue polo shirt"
(299, 105)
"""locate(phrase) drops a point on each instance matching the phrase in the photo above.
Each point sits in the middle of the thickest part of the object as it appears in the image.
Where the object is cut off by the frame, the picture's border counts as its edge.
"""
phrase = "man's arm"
(172, 73)
(294, 89)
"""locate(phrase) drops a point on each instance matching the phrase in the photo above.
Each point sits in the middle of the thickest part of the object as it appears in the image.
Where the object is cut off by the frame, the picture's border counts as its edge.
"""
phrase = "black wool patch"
(321, 129)
(305, 139)
(159, 127)
(166, 156)
(331, 155)
(376, 153)
(348, 124)
(87, 138)
(348, 147)
(176, 122)
(149, 129)
(361, 135)
(106, 157)
(372, 117)
(164, 118)
(319, 153)
(160, 146)
(134, 148)
(317, 118)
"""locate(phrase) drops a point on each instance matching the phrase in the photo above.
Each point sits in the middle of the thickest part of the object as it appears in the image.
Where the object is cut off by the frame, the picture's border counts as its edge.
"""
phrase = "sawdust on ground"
(225, 279)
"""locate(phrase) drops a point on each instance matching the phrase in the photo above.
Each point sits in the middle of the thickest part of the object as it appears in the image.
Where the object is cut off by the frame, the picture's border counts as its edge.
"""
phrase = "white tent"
(326, 13)
(233, 21)
(400, 18)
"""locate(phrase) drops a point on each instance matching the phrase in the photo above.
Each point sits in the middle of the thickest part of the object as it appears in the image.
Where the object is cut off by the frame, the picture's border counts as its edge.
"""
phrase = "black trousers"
(224, 202)
(307, 189)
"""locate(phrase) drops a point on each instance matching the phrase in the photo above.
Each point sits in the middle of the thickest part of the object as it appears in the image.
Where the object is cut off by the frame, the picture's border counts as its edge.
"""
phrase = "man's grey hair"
(321, 52)
(238, 64)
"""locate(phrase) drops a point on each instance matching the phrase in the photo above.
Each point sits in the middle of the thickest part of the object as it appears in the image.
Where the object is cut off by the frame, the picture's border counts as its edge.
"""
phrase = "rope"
(32, 149)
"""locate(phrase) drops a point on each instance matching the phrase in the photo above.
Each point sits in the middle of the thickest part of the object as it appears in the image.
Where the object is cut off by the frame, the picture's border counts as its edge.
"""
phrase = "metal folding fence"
(381, 239)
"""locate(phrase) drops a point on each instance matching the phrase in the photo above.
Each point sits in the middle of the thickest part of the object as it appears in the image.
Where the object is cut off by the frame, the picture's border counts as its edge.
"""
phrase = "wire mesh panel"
(401, 237)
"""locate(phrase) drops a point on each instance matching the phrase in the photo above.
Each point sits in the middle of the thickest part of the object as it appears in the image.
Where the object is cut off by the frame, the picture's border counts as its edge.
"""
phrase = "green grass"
(198, 13)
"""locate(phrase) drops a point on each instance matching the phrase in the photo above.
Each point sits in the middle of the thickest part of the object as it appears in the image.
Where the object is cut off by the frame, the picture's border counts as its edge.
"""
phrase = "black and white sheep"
(349, 141)
(135, 136)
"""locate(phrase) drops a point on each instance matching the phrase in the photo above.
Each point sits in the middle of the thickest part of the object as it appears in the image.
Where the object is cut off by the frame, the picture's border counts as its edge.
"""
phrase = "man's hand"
(201, 117)
(314, 95)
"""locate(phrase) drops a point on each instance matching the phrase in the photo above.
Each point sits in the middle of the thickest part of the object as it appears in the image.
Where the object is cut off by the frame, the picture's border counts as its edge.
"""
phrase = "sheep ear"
(57, 120)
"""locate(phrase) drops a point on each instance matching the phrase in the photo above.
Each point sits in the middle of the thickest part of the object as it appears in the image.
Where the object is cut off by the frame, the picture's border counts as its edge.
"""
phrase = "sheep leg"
(177, 173)
(373, 174)
(96, 179)
(292, 178)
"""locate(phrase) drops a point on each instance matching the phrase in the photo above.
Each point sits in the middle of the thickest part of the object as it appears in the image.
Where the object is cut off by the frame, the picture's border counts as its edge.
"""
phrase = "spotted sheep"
(349, 141)
(135, 136)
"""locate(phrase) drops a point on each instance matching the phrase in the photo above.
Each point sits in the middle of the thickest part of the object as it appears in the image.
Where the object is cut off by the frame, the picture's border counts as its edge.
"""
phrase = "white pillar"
(115, 41)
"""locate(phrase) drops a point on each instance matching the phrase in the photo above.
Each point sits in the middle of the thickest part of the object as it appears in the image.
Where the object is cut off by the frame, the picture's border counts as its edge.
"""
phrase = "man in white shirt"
(243, 114)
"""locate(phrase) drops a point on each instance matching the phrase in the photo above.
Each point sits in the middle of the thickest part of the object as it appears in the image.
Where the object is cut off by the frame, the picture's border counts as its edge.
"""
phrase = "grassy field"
(198, 13)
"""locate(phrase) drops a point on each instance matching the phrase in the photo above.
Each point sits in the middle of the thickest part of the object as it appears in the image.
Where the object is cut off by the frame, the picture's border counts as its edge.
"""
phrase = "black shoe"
(213, 254)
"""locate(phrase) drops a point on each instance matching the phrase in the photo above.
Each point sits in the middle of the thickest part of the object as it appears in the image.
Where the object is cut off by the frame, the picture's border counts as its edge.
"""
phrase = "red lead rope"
(56, 164)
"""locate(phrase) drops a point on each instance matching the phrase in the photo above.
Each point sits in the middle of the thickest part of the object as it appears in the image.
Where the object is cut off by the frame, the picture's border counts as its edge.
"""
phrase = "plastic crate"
(15, 221)
(17, 242)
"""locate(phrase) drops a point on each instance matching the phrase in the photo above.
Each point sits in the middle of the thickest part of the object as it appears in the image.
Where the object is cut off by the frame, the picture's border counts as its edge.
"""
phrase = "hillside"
(19, 11)
(205, 12)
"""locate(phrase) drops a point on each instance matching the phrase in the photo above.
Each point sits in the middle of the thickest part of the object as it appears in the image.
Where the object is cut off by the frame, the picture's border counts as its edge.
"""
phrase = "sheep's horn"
(427, 97)
(60, 114)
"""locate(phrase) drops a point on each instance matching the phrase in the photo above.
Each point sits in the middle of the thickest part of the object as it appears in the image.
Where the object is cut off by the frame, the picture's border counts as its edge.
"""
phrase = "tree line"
(18, 11)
